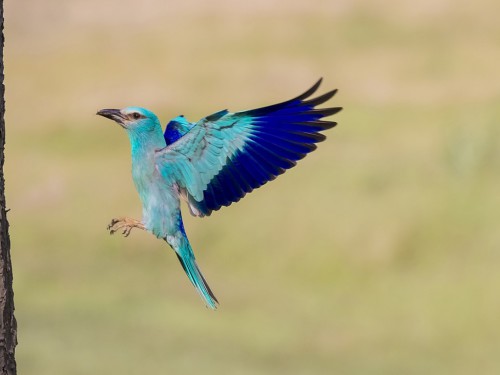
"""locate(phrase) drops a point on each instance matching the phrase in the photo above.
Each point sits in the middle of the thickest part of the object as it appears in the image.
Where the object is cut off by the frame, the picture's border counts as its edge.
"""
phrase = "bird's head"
(132, 119)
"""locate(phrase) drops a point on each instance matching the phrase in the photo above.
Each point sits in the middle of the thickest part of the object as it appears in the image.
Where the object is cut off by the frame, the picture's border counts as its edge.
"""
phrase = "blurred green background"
(378, 254)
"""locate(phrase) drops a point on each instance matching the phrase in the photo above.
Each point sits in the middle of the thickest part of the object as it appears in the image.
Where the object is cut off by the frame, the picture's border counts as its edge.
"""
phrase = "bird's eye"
(136, 115)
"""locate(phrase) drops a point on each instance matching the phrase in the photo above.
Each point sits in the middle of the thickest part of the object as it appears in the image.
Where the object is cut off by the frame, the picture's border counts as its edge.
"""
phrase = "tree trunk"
(8, 325)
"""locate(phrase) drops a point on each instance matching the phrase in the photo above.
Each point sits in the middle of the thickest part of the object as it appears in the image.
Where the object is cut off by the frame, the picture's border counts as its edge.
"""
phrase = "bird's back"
(176, 128)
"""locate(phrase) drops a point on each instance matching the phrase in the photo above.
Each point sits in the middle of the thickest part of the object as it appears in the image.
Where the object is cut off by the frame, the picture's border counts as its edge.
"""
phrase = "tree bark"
(8, 325)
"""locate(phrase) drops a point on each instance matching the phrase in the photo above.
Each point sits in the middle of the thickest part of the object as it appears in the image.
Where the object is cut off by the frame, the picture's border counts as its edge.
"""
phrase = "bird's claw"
(110, 225)
(127, 231)
(125, 223)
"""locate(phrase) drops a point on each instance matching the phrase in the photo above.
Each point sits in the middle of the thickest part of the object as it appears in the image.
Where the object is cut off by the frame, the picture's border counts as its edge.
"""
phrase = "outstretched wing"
(226, 155)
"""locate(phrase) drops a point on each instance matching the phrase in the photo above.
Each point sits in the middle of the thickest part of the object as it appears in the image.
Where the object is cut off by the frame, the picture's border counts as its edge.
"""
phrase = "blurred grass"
(378, 254)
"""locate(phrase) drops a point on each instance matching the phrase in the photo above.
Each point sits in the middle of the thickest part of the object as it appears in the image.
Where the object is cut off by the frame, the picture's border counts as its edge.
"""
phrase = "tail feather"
(188, 262)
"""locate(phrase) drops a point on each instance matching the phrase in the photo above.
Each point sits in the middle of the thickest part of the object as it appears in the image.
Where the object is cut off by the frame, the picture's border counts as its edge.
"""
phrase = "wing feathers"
(226, 155)
(320, 99)
(298, 99)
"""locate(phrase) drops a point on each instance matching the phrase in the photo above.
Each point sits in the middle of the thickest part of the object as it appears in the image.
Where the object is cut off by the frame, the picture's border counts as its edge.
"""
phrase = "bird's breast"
(160, 201)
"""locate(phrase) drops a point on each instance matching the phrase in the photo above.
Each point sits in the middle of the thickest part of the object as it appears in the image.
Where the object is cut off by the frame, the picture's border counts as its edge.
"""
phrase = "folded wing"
(226, 155)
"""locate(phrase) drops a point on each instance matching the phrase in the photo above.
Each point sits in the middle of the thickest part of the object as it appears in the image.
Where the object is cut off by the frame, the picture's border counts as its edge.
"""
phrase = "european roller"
(212, 163)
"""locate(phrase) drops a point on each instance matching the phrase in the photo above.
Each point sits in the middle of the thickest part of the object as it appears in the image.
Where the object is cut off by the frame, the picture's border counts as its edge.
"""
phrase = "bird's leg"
(125, 223)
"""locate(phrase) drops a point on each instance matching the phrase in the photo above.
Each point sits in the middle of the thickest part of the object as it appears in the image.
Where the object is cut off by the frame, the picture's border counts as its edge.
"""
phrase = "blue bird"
(212, 163)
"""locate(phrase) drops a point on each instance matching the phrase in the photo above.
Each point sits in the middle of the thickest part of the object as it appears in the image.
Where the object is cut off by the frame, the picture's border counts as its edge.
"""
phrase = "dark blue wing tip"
(299, 104)
(309, 92)
(281, 135)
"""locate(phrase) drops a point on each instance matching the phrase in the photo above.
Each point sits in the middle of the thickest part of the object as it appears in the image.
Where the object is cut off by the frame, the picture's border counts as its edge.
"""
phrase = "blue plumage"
(280, 135)
(176, 128)
(213, 163)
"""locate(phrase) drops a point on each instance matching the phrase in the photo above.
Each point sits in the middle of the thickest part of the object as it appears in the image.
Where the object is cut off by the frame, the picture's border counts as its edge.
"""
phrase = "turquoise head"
(143, 127)
(133, 119)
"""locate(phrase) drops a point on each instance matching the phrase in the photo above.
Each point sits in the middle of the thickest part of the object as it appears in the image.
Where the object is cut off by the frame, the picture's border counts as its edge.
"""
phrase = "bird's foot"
(125, 223)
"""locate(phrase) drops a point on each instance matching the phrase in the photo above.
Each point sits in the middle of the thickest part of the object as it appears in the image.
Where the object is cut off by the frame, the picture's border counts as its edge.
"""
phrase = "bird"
(212, 163)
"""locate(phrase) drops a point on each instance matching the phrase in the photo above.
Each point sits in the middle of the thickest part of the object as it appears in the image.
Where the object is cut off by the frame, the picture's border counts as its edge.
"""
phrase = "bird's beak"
(113, 114)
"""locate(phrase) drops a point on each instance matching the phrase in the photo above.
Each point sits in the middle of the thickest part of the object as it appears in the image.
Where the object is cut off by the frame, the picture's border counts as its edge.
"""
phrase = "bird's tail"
(186, 257)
